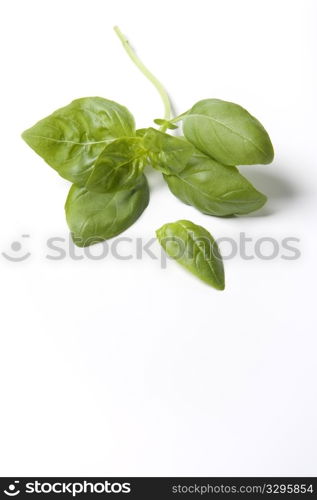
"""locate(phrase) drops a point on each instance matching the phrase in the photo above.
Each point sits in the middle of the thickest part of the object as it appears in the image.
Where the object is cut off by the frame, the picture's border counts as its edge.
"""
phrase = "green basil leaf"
(140, 132)
(167, 153)
(227, 132)
(118, 166)
(214, 189)
(71, 138)
(165, 123)
(194, 248)
(93, 217)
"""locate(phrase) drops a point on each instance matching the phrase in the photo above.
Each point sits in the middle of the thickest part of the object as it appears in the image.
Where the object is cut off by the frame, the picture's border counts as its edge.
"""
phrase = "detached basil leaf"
(214, 189)
(118, 166)
(195, 249)
(93, 217)
(228, 133)
(71, 138)
(167, 153)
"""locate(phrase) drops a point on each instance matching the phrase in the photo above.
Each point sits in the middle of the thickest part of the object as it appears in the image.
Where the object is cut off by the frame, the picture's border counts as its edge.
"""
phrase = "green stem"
(159, 87)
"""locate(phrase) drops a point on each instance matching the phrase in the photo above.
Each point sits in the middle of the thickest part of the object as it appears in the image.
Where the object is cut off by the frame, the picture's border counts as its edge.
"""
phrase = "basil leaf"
(228, 133)
(118, 166)
(93, 217)
(71, 138)
(194, 248)
(167, 153)
(214, 189)
(140, 132)
(165, 123)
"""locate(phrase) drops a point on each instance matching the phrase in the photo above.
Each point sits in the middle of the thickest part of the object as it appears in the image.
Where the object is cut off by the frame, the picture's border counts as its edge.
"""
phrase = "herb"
(214, 189)
(71, 139)
(195, 249)
(118, 166)
(94, 217)
(167, 153)
(93, 143)
(228, 133)
(199, 180)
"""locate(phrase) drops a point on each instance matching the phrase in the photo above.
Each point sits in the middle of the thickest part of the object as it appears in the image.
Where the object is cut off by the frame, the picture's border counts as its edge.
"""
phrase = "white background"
(120, 367)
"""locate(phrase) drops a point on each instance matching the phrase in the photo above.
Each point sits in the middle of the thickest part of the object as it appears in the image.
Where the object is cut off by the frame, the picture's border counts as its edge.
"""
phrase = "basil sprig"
(92, 142)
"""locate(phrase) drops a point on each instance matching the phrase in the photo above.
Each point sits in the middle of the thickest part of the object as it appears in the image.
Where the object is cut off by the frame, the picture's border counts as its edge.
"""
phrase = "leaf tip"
(24, 135)
(221, 287)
